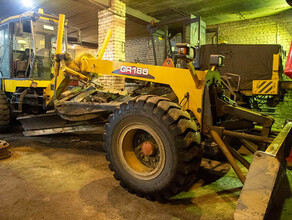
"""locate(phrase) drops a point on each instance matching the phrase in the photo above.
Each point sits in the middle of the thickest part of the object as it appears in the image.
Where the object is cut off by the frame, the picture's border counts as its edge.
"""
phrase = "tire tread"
(184, 131)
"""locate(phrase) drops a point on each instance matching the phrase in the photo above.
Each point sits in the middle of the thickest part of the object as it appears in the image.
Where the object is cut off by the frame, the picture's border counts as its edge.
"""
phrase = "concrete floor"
(66, 177)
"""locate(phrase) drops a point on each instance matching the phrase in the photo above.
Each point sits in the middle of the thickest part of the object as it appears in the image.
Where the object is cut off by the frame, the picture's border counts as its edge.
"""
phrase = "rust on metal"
(4, 150)
(228, 155)
(248, 136)
(147, 148)
(249, 145)
(283, 138)
(265, 173)
(237, 155)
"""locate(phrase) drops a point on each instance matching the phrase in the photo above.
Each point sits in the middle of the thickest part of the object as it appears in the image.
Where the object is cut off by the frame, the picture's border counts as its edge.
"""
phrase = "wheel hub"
(147, 148)
(141, 151)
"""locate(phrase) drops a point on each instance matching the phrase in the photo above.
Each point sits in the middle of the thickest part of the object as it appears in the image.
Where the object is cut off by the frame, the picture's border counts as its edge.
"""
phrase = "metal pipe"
(249, 145)
(75, 73)
(58, 50)
(228, 155)
(154, 50)
(248, 136)
(235, 154)
(271, 132)
(170, 47)
(32, 63)
(104, 44)
(165, 42)
(60, 33)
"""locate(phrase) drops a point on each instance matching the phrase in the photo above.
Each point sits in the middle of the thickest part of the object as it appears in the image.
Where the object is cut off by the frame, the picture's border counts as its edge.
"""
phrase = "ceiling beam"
(129, 11)
(138, 14)
(101, 2)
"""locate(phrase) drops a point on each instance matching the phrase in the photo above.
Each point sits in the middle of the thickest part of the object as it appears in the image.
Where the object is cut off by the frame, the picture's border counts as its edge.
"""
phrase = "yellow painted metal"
(180, 80)
(60, 33)
(276, 63)
(10, 85)
(59, 83)
(104, 45)
(247, 92)
(75, 73)
(268, 87)
(286, 84)
(41, 11)
(199, 83)
(265, 87)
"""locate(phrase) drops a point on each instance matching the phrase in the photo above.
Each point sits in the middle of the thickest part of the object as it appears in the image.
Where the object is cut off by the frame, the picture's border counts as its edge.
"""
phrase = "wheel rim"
(141, 151)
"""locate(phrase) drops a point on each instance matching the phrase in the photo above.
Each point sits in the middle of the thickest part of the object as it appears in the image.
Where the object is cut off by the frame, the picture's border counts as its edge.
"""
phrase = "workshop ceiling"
(83, 13)
(211, 11)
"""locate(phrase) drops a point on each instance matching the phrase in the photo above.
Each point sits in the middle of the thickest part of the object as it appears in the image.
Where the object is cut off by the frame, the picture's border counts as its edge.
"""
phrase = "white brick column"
(114, 18)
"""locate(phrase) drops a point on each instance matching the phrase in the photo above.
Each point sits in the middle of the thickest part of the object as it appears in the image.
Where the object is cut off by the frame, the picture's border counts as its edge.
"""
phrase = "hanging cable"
(185, 100)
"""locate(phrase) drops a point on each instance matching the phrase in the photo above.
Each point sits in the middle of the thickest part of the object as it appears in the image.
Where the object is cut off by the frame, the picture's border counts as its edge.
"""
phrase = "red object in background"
(288, 67)
(168, 63)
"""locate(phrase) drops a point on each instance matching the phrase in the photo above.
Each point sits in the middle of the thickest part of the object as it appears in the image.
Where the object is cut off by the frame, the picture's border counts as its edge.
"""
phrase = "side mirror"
(217, 60)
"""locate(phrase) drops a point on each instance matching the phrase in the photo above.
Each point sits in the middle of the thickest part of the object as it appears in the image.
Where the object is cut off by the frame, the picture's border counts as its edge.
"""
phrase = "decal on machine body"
(134, 71)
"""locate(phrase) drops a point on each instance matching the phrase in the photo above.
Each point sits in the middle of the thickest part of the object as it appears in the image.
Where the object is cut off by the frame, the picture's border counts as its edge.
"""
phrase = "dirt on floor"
(67, 177)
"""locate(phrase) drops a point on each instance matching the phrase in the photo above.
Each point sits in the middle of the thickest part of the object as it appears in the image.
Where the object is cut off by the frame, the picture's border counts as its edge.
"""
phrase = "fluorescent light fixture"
(27, 3)
(21, 42)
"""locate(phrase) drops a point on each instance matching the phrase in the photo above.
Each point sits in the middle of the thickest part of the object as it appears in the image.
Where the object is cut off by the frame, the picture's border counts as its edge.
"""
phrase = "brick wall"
(113, 18)
(276, 29)
(140, 50)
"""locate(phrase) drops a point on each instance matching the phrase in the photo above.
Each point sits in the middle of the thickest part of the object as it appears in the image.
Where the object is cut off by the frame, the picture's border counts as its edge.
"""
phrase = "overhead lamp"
(27, 3)
(21, 42)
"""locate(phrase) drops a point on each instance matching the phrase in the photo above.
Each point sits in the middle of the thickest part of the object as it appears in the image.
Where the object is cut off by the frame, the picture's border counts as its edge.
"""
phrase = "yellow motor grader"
(153, 144)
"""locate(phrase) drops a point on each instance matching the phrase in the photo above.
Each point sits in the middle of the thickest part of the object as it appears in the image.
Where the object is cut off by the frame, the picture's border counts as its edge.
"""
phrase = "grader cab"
(27, 46)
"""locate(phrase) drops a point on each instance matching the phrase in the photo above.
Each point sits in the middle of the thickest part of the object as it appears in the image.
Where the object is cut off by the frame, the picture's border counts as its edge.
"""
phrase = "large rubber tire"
(4, 112)
(179, 139)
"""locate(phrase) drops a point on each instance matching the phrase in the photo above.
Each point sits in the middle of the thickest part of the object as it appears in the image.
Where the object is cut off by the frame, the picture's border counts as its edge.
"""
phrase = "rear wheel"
(153, 147)
(4, 111)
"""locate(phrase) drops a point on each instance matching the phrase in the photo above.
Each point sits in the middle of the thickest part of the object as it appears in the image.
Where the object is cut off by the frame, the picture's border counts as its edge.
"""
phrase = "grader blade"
(47, 124)
(263, 178)
(69, 117)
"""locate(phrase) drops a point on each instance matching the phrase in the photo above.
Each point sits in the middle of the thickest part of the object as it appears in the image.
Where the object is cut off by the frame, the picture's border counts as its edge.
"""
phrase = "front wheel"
(153, 147)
